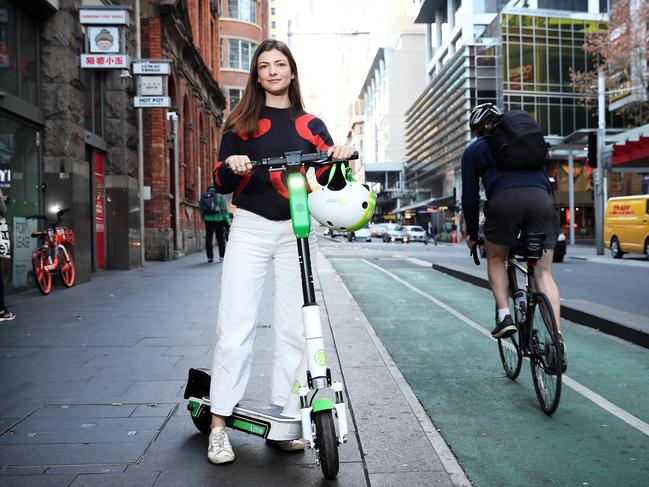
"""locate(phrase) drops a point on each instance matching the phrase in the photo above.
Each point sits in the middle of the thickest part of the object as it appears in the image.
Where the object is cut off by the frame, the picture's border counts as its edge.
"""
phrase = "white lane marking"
(589, 394)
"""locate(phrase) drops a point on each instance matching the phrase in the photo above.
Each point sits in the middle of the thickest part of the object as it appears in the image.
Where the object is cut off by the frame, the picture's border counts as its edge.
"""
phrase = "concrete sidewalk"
(93, 378)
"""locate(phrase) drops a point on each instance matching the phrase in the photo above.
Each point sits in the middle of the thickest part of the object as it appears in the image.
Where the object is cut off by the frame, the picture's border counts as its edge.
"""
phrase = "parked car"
(626, 225)
(416, 233)
(395, 233)
(377, 229)
(333, 233)
(360, 235)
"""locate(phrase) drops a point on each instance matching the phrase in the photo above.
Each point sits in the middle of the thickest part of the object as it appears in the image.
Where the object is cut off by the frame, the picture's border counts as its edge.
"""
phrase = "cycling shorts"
(527, 209)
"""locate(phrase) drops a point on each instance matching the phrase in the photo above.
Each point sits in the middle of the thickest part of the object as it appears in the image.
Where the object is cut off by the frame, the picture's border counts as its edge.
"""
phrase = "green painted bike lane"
(494, 425)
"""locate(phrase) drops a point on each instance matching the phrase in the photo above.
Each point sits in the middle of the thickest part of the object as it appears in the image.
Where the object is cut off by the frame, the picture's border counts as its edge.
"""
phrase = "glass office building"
(536, 51)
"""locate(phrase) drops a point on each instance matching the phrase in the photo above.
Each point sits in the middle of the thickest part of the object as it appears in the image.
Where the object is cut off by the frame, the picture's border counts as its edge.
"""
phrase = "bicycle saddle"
(38, 234)
(533, 245)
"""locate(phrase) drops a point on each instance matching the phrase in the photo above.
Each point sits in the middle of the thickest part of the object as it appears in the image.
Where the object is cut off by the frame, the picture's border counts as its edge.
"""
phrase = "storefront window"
(93, 103)
(19, 180)
(18, 52)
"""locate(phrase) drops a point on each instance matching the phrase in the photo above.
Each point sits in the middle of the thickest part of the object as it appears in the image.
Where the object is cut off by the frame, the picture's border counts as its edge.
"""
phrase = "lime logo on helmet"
(320, 358)
(295, 387)
(343, 201)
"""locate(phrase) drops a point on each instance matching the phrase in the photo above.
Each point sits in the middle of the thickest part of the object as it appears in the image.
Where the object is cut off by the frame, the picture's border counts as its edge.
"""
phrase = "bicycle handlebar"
(474, 251)
(296, 158)
(43, 217)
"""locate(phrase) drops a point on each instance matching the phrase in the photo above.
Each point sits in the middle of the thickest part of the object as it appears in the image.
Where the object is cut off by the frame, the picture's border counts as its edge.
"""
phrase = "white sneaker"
(288, 445)
(219, 449)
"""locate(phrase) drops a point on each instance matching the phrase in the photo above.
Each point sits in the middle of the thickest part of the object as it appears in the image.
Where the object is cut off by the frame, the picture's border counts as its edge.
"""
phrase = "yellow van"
(626, 225)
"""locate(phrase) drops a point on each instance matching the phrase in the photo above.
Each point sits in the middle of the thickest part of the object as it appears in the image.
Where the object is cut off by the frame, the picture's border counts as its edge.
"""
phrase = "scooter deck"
(265, 421)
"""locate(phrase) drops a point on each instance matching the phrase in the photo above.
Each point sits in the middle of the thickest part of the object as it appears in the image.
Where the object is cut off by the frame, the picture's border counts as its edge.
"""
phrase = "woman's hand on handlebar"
(340, 152)
(239, 164)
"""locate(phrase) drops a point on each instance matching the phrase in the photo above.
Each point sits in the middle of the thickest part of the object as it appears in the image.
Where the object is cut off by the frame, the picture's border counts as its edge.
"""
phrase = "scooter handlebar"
(296, 158)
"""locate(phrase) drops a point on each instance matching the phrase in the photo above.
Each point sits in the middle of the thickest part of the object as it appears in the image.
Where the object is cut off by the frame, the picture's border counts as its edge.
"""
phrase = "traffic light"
(592, 149)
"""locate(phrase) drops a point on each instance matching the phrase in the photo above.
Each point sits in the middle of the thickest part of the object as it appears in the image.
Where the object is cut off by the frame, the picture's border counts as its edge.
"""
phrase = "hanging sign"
(103, 39)
(105, 36)
(151, 86)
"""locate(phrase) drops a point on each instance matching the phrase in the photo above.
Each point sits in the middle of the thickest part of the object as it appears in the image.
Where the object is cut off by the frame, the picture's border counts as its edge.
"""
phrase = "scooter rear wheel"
(203, 423)
(326, 443)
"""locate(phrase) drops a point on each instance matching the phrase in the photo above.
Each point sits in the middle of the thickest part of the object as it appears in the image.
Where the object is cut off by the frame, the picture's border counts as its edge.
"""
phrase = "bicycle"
(53, 253)
(538, 335)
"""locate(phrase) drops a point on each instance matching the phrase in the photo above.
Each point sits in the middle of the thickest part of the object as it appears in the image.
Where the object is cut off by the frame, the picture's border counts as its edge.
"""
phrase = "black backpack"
(516, 142)
(210, 203)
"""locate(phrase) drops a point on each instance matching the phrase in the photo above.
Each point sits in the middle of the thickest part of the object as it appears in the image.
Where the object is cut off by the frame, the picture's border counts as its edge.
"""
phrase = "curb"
(576, 312)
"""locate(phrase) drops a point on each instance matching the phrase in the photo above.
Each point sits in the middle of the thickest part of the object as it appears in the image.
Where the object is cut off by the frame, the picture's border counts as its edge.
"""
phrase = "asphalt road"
(621, 284)
(598, 437)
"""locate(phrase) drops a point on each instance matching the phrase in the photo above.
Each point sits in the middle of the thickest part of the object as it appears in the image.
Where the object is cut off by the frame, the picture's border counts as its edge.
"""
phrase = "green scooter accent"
(299, 205)
(322, 404)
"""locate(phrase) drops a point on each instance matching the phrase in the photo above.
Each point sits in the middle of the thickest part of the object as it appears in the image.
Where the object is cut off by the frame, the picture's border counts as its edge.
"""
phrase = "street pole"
(140, 136)
(571, 195)
(599, 183)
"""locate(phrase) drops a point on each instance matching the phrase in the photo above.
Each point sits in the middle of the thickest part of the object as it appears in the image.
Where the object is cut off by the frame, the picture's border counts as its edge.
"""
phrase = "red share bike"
(53, 252)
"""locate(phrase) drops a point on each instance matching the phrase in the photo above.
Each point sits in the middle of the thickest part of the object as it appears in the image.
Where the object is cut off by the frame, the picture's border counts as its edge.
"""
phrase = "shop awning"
(632, 149)
(432, 202)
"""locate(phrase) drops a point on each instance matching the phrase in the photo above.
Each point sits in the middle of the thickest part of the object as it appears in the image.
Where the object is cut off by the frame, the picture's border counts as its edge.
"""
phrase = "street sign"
(99, 61)
(152, 101)
(94, 16)
(152, 67)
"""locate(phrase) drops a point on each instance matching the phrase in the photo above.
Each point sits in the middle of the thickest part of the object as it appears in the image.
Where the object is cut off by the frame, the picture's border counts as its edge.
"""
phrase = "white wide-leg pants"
(254, 245)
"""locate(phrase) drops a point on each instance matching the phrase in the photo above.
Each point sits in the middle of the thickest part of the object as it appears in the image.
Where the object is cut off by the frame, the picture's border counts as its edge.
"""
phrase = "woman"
(267, 122)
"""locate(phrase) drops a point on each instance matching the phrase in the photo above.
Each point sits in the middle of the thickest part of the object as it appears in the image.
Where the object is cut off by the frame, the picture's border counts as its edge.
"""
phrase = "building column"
(450, 15)
(438, 37)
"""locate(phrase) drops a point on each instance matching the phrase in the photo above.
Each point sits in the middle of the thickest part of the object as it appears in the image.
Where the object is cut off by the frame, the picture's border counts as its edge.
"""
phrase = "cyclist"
(267, 122)
(516, 200)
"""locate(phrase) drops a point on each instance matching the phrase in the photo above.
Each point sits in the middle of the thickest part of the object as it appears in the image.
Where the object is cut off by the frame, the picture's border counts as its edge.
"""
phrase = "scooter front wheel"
(326, 443)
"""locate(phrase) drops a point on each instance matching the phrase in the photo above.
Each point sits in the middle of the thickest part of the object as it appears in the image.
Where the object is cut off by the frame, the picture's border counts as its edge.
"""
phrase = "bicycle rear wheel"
(42, 276)
(545, 354)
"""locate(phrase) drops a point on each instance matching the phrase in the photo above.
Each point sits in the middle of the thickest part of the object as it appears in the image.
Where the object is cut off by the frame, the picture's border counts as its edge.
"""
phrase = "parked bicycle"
(53, 253)
(538, 336)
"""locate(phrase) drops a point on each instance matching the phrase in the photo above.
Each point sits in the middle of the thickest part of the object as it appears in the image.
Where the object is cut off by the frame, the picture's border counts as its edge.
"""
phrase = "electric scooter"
(315, 421)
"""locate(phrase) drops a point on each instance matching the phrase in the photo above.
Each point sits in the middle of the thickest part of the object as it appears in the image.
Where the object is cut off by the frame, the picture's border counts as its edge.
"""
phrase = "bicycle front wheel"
(511, 355)
(68, 273)
(42, 276)
(545, 354)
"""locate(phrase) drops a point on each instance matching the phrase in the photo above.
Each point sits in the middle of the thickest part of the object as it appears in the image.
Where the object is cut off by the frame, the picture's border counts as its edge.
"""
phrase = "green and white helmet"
(343, 204)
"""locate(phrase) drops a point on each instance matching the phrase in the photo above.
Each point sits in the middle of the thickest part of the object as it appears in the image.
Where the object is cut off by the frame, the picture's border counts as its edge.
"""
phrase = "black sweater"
(262, 192)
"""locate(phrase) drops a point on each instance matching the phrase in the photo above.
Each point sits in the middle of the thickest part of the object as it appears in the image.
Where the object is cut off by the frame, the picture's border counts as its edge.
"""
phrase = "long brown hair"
(243, 119)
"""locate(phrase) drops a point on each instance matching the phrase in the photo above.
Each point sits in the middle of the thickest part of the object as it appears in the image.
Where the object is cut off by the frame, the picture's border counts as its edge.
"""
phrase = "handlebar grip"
(474, 251)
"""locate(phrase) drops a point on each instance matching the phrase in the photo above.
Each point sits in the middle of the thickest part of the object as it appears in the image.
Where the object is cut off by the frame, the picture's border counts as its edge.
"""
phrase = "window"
(245, 10)
(235, 97)
(18, 53)
(240, 54)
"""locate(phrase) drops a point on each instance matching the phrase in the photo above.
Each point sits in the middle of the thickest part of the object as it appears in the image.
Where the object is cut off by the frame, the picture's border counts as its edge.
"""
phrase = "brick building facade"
(180, 143)
(243, 25)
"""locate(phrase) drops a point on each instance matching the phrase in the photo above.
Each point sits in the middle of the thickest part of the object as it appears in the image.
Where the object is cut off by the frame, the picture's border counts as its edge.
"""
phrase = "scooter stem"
(308, 290)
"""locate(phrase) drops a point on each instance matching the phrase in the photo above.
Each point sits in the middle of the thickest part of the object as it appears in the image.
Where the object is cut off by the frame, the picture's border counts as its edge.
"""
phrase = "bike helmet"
(343, 204)
(482, 113)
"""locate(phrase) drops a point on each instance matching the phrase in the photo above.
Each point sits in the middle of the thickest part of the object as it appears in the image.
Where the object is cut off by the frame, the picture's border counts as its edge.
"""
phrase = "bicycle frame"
(512, 265)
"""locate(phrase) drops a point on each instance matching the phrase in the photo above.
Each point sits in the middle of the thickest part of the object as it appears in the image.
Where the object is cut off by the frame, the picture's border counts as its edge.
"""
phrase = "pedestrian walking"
(214, 212)
(5, 314)
(269, 121)
(431, 231)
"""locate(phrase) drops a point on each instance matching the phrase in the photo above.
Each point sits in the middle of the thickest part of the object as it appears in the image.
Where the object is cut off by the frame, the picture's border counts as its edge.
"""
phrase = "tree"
(621, 50)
